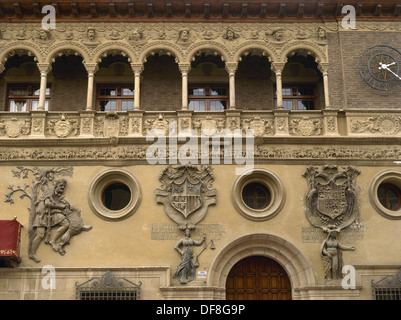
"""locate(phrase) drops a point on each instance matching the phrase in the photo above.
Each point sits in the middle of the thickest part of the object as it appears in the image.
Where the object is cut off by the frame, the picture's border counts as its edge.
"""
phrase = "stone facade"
(179, 214)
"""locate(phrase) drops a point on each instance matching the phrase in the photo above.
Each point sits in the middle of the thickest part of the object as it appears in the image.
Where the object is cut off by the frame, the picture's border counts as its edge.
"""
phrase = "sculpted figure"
(186, 270)
(53, 211)
(332, 255)
(91, 37)
(183, 36)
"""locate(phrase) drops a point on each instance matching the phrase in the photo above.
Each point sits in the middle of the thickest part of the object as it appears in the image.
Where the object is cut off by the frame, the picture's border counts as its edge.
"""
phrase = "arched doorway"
(258, 278)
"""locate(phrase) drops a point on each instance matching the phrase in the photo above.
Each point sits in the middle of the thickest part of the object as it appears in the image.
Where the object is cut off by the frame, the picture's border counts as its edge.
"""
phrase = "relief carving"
(186, 194)
(306, 127)
(385, 124)
(261, 127)
(51, 216)
(15, 128)
(331, 205)
(63, 128)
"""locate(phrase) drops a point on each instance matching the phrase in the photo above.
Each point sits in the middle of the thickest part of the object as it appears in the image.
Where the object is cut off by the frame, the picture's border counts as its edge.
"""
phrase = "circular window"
(114, 195)
(258, 194)
(385, 194)
(389, 196)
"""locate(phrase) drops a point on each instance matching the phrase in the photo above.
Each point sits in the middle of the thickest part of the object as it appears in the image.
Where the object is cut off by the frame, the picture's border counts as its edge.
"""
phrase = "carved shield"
(111, 127)
(331, 200)
(258, 126)
(62, 128)
(186, 197)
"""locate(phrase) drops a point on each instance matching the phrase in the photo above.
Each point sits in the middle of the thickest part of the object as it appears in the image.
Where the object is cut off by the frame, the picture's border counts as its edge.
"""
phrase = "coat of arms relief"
(331, 205)
(186, 194)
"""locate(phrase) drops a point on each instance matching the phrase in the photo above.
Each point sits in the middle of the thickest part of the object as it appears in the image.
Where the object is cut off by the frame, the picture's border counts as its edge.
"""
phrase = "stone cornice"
(229, 10)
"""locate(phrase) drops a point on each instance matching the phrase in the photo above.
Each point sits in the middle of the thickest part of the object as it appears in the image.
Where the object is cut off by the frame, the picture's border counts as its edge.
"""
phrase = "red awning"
(10, 235)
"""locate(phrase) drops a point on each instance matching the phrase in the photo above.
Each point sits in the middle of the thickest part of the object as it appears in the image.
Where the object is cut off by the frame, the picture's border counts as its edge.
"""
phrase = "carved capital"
(137, 67)
(184, 67)
(323, 67)
(278, 67)
(231, 66)
(45, 67)
(91, 67)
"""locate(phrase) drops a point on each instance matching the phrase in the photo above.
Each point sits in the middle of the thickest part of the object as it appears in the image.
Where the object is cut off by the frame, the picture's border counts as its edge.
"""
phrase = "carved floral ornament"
(137, 40)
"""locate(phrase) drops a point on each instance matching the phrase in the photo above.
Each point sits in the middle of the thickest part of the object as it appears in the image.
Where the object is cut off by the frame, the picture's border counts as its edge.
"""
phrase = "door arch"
(258, 278)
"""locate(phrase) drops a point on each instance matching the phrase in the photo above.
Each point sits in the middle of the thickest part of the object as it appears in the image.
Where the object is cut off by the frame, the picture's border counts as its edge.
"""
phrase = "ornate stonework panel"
(306, 127)
(63, 127)
(186, 193)
(331, 205)
(385, 124)
(15, 128)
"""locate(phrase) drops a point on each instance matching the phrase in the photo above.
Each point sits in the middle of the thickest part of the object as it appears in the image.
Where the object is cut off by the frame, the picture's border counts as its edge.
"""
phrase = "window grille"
(108, 287)
(388, 288)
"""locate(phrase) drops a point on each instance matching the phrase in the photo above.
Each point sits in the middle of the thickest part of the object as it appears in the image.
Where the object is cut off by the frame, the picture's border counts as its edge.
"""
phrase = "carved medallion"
(186, 193)
(63, 128)
(388, 124)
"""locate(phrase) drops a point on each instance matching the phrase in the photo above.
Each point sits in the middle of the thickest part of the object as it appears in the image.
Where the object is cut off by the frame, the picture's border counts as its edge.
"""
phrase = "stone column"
(231, 69)
(44, 70)
(278, 68)
(324, 69)
(91, 69)
(184, 68)
(137, 68)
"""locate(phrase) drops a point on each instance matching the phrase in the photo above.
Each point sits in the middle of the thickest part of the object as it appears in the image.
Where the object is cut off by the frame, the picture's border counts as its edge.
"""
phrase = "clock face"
(380, 67)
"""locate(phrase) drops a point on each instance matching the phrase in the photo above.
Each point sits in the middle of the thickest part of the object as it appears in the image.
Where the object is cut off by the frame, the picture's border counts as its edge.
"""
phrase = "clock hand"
(388, 69)
(384, 66)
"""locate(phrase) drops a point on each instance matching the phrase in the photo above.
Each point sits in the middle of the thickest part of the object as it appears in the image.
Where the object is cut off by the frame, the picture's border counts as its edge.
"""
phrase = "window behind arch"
(115, 97)
(25, 97)
(208, 97)
(299, 97)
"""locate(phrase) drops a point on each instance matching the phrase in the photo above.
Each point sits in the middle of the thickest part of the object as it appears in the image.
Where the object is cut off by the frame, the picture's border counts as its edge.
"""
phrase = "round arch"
(311, 48)
(112, 48)
(249, 47)
(29, 49)
(211, 46)
(65, 49)
(262, 244)
(161, 47)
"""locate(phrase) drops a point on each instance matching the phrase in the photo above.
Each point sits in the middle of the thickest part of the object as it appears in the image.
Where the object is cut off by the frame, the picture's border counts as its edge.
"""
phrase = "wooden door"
(258, 278)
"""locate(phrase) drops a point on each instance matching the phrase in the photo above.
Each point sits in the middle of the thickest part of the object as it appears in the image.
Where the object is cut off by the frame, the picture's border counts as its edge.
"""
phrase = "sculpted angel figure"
(186, 270)
(331, 252)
